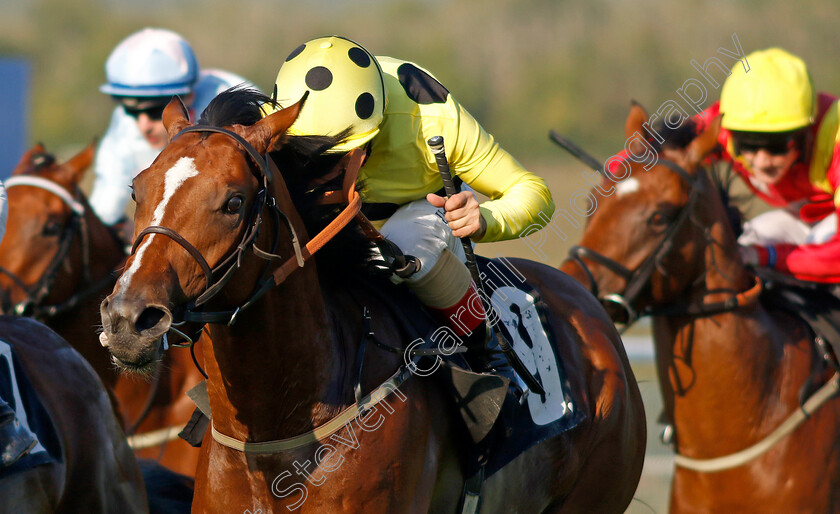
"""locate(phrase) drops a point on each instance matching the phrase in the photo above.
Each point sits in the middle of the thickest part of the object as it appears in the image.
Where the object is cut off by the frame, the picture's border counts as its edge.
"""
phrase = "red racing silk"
(813, 182)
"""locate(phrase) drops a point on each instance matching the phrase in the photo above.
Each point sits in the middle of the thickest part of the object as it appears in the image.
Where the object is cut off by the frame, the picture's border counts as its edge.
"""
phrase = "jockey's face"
(148, 113)
(769, 156)
(768, 167)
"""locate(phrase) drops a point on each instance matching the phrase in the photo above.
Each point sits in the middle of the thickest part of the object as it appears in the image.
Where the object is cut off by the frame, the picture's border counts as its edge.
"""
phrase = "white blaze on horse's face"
(627, 186)
(183, 169)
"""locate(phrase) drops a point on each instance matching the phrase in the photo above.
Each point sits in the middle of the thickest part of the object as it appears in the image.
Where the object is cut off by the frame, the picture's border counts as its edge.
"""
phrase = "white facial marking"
(183, 169)
(627, 186)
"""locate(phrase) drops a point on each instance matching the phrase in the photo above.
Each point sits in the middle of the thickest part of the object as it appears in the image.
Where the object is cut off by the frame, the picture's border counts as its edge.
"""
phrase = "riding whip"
(436, 144)
(577, 151)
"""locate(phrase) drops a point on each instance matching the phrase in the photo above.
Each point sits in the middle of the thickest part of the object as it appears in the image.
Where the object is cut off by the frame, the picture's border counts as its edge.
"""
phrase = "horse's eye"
(234, 204)
(133, 197)
(660, 218)
(52, 228)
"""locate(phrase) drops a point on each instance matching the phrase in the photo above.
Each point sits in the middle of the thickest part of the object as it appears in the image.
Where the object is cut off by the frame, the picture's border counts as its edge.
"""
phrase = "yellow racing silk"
(402, 168)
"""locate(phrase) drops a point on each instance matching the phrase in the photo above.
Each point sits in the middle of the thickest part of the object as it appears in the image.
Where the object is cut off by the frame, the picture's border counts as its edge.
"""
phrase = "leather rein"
(32, 306)
(218, 276)
(639, 278)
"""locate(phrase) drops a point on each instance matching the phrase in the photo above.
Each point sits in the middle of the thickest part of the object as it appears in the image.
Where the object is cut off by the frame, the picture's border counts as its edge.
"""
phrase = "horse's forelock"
(239, 105)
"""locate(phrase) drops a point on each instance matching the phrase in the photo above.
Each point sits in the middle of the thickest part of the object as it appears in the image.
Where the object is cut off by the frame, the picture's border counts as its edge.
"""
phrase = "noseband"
(225, 269)
(32, 306)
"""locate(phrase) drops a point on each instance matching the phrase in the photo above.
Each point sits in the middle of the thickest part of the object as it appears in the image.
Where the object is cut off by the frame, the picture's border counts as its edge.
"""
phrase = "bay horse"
(92, 468)
(661, 243)
(285, 335)
(57, 262)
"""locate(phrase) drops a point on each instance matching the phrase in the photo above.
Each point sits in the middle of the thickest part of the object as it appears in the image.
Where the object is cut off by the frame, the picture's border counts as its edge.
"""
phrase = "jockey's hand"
(749, 255)
(462, 213)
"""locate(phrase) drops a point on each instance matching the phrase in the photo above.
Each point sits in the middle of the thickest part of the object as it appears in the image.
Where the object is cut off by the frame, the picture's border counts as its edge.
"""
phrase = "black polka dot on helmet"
(295, 52)
(364, 106)
(319, 78)
(359, 57)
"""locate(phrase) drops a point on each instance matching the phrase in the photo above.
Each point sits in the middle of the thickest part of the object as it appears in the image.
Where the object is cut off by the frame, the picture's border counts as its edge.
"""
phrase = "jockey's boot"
(15, 440)
(485, 355)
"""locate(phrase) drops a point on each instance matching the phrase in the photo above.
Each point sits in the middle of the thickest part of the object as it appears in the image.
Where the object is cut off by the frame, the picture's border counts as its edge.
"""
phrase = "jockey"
(144, 71)
(784, 141)
(15, 439)
(390, 108)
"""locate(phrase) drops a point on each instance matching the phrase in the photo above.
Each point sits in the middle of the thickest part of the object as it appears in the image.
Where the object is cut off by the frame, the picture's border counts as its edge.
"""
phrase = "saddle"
(817, 304)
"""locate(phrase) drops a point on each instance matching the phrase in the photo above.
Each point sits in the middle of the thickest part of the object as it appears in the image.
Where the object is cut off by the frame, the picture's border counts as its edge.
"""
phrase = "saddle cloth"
(522, 316)
(18, 393)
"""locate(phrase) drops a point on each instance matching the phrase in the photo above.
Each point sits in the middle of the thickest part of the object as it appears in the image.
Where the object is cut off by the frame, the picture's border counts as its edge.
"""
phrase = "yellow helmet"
(346, 90)
(775, 95)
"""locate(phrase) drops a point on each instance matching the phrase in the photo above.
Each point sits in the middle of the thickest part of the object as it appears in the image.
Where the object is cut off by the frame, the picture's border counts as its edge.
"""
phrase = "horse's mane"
(301, 161)
(720, 173)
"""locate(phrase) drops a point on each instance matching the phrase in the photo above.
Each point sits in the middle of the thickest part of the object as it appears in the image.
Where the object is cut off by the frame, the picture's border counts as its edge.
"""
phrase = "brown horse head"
(199, 207)
(643, 245)
(40, 252)
(732, 369)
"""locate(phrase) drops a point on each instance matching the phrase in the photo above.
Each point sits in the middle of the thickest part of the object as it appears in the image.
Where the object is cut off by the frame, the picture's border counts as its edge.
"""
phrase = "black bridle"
(33, 305)
(218, 276)
(637, 279)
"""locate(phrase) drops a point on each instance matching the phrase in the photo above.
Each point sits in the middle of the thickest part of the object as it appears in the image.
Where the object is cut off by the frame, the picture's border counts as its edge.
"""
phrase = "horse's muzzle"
(132, 330)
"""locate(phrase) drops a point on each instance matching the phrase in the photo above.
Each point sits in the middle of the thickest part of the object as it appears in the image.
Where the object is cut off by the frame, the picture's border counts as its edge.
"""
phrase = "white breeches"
(420, 229)
(783, 226)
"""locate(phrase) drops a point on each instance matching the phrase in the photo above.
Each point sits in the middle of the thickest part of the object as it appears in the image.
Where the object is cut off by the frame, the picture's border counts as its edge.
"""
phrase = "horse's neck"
(271, 375)
(105, 255)
(720, 364)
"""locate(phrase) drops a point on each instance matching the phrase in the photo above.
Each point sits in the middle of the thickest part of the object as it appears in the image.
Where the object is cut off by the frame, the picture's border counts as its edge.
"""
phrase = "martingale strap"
(796, 418)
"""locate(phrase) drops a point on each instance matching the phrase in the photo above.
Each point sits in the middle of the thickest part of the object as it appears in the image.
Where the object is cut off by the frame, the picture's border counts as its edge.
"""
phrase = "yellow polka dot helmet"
(775, 95)
(346, 90)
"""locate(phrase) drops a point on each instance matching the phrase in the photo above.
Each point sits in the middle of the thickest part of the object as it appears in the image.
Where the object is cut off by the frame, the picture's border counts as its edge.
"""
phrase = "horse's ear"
(635, 120)
(175, 116)
(266, 135)
(26, 159)
(703, 144)
(76, 166)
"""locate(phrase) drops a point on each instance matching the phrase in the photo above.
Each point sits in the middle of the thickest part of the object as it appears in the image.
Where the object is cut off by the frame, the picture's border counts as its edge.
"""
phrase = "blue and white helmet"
(151, 62)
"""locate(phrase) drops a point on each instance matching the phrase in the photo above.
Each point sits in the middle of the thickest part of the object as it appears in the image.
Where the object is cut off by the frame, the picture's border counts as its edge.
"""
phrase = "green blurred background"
(520, 67)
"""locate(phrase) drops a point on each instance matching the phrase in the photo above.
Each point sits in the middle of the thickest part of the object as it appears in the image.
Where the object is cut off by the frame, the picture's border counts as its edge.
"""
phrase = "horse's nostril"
(149, 318)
